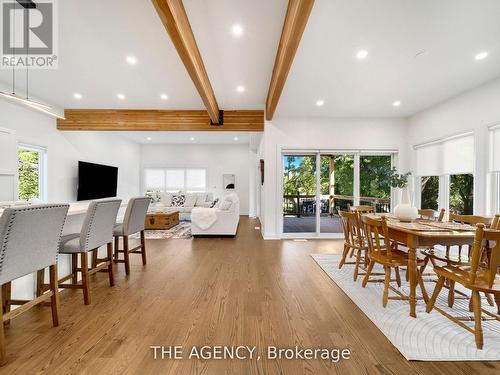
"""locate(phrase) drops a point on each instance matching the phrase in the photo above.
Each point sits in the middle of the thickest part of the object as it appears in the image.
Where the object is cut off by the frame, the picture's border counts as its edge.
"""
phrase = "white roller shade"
(495, 149)
(154, 179)
(458, 155)
(454, 155)
(428, 160)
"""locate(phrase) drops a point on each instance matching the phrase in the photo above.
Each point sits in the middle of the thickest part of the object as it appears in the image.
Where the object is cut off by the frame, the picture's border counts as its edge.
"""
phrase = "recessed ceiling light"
(132, 60)
(362, 54)
(120, 96)
(237, 30)
(164, 97)
(191, 139)
(240, 88)
(149, 138)
(397, 103)
(319, 103)
(77, 96)
(236, 138)
(481, 55)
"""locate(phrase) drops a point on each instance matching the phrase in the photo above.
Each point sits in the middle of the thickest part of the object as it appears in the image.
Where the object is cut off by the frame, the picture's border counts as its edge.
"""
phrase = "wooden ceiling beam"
(174, 18)
(158, 120)
(297, 14)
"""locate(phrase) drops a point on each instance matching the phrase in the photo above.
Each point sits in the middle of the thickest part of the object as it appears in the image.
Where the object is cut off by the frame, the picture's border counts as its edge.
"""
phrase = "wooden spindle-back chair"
(430, 214)
(354, 240)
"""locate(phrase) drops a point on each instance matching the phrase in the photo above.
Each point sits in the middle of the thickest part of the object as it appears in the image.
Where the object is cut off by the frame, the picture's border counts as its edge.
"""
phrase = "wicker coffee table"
(162, 220)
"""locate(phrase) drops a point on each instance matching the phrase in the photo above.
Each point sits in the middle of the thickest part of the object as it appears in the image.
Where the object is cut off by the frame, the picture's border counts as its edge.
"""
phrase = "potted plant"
(404, 211)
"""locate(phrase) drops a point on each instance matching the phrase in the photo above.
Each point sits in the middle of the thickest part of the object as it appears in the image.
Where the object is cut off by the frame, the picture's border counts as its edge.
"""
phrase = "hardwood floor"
(220, 291)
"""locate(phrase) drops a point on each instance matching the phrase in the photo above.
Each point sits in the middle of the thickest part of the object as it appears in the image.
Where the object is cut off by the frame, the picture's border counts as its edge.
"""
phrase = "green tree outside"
(28, 174)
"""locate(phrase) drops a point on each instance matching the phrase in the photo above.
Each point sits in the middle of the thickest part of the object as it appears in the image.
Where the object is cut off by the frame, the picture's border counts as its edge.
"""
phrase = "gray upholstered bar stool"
(29, 240)
(133, 222)
(97, 231)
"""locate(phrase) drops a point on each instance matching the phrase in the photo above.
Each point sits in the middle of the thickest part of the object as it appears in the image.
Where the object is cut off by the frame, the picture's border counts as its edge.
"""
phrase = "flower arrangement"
(398, 180)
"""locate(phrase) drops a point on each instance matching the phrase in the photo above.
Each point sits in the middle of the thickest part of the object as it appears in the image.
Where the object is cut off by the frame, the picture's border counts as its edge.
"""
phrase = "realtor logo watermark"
(29, 34)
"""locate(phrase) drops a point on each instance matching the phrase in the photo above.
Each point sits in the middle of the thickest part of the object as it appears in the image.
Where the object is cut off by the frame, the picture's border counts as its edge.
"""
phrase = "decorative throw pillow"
(178, 200)
(225, 205)
(190, 200)
(214, 203)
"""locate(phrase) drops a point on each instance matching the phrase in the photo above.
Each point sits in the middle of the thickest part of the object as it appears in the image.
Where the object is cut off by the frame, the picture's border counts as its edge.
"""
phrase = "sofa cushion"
(166, 199)
(225, 205)
(190, 200)
(178, 200)
(201, 199)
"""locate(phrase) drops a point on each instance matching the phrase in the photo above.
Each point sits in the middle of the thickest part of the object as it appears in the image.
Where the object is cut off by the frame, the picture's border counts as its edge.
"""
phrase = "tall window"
(374, 184)
(429, 188)
(31, 170)
(462, 194)
(175, 179)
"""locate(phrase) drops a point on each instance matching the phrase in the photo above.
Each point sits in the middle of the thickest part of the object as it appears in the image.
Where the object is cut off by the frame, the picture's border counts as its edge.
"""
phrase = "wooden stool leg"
(6, 297)
(368, 273)
(85, 277)
(40, 280)
(117, 244)
(74, 266)
(54, 299)
(387, 282)
(126, 255)
(451, 294)
(143, 247)
(110, 265)
(432, 301)
(2, 334)
(478, 330)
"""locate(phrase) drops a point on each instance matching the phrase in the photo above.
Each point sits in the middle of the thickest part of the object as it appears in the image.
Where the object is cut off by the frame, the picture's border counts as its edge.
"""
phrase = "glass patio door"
(299, 193)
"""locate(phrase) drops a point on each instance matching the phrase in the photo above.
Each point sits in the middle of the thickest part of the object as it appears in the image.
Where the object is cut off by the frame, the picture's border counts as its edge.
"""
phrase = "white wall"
(217, 159)
(322, 133)
(474, 110)
(65, 149)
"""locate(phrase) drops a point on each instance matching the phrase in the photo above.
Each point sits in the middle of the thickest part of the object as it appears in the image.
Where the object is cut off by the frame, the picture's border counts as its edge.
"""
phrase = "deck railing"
(305, 205)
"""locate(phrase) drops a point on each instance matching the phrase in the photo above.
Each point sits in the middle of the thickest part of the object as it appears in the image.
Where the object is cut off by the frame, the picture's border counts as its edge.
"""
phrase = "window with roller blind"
(175, 179)
(445, 169)
(494, 167)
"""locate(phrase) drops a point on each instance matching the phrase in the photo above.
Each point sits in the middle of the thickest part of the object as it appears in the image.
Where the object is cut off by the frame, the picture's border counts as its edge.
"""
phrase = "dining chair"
(430, 214)
(354, 240)
(97, 231)
(381, 252)
(363, 209)
(133, 222)
(29, 239)
(477, 278)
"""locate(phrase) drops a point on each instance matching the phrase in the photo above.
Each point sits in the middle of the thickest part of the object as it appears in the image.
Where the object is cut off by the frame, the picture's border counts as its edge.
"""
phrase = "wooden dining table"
(421, 234)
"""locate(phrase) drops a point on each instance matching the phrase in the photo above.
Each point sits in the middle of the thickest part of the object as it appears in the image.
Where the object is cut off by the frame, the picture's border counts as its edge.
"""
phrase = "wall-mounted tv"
(96, 181)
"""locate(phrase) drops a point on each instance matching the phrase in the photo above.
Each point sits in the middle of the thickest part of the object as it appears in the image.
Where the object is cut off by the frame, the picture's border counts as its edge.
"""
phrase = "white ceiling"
(95, 37)
(393, 31)
(207, 138)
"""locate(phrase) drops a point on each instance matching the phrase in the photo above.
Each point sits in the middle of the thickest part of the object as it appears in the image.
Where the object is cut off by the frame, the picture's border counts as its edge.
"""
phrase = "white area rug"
(429, 337)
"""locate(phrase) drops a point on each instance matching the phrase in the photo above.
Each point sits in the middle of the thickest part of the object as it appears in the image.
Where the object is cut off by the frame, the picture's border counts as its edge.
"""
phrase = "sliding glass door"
(317, 185)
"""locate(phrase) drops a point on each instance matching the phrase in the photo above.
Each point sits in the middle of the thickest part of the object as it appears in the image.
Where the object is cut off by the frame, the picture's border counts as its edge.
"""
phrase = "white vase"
(405, 211)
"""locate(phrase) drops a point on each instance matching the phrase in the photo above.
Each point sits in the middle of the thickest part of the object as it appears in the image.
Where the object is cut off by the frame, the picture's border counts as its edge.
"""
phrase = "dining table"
(424, 234)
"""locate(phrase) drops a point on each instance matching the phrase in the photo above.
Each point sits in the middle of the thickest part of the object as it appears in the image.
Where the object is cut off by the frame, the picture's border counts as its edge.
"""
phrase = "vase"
(405, 211)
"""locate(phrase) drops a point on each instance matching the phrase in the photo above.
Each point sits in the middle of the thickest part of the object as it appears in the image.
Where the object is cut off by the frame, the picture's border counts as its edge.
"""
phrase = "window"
(31, 171)
(374, 184)
(462, 194)
(429, 188)
(175, 179)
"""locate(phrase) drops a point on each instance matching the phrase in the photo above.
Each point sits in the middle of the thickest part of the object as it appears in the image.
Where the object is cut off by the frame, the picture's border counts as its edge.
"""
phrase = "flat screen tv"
(96, 181)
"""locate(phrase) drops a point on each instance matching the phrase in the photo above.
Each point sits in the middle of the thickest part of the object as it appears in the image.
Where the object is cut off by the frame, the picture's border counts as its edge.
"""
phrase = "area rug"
(429, 337)
(180, 231)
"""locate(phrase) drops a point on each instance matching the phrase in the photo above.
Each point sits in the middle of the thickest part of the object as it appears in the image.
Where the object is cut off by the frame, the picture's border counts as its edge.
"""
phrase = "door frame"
(318, 151)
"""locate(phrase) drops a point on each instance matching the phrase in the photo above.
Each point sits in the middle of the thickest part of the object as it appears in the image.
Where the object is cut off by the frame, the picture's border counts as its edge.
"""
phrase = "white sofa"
(226, 223)
(166, 204)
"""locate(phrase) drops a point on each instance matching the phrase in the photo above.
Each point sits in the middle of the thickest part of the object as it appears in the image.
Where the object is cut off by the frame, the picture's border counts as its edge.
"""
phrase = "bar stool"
(29, 239)
(133, 222)
(97, 231)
